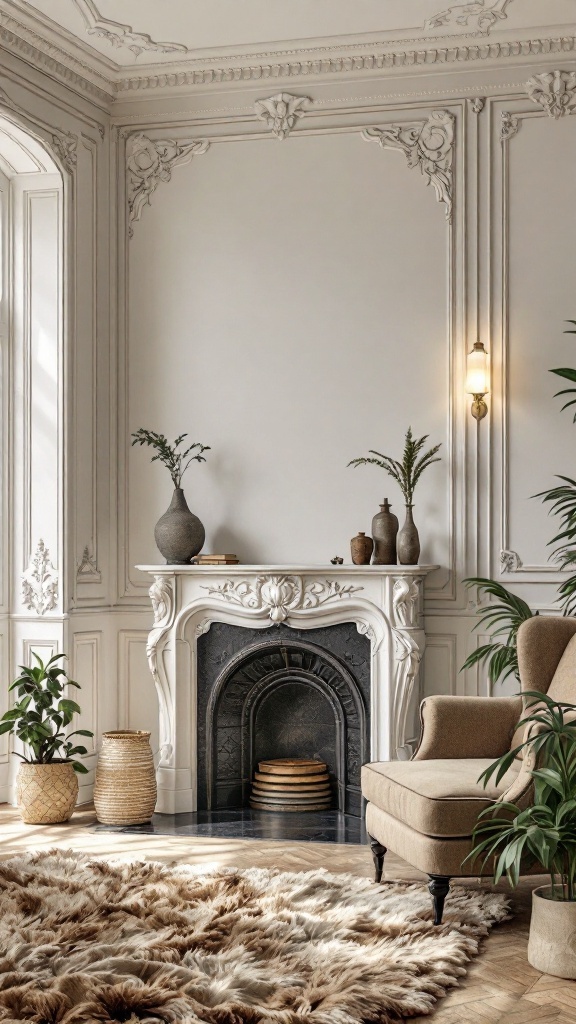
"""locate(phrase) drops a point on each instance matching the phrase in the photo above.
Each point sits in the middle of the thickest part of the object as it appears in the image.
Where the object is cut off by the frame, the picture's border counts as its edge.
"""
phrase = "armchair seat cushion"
(435, 797)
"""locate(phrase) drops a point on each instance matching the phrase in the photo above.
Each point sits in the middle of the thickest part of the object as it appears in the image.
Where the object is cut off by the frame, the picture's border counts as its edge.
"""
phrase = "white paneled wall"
(292, 304)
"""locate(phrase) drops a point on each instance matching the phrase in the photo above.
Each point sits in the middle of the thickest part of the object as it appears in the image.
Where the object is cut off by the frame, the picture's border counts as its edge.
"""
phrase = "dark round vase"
(408, 542)
(179, 534)
(384, 532)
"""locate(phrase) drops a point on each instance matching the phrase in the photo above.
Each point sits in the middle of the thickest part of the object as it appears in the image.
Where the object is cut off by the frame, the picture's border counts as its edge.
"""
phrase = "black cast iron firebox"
(281, 692)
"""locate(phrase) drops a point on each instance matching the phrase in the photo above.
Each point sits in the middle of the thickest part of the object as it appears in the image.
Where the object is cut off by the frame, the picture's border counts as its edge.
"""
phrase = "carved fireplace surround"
(384, 602)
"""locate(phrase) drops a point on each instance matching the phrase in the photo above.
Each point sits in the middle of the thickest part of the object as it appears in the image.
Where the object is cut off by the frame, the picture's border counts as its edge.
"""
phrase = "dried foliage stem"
(407, 472)
(167, 453)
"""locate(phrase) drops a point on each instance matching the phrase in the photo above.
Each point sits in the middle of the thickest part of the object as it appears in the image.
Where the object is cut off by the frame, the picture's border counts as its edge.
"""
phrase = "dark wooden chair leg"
(378, 853)
(438, 887)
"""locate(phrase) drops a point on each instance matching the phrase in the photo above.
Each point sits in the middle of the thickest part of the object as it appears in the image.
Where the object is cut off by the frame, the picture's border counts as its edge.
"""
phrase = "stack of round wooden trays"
(291, 784)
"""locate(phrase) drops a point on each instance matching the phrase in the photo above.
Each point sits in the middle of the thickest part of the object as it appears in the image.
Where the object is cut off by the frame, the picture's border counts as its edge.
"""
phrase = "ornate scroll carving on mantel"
(277, 596)
(150, 161)
(162, 597)
(479, 17)
(40, 582)
(281, 112)
(119, 35)
(510, 561)
(409, 642)
(509, 125)
(554, 91)
(88, 571)
(65, 145)
(427, 145)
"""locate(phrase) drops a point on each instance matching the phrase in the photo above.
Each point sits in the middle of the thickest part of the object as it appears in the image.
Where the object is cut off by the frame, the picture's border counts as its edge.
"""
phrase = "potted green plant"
(502, 620)
(406, 474)
(516, 838)
(179, 534)
(47, 784)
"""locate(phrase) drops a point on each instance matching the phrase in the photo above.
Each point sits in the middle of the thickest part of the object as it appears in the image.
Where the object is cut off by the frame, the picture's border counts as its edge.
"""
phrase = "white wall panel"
(281, 311)
(137, 701)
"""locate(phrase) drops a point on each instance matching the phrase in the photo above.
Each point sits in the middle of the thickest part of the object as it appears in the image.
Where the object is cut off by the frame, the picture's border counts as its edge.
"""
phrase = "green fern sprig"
(168, 454)
(502, 619)
(407, 472)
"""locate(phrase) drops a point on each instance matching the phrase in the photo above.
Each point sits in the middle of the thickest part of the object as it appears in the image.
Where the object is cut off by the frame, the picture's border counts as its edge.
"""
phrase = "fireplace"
(281, 692)
(233, 647)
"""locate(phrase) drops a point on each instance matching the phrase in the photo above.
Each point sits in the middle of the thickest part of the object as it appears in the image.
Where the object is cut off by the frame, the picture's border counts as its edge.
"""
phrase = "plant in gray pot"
(518, 838)
(406, 474)
(179, 534)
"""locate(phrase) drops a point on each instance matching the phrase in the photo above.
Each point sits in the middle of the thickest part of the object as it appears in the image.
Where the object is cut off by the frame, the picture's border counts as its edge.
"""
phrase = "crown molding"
(49, 48)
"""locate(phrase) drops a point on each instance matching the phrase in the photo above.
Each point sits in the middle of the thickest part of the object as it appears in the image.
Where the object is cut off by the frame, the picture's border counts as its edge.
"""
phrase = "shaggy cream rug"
(92, 942)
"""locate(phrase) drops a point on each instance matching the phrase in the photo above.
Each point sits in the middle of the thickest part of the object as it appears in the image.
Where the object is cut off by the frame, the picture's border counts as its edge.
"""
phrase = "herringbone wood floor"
(499, 988)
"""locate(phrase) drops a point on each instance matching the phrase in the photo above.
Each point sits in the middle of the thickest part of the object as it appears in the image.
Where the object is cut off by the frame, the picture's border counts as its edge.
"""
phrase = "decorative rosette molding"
(40, 582)
(150, 161)
(479, 16)
(427, 145)
(281, 112)
(510, 561)
(119, 35)
(277, 596)
(554, 91)
(477, 104)
(509, 126)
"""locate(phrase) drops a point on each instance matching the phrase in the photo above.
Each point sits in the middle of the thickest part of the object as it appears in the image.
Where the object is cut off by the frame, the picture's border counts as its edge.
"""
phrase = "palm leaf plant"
(502, 620)
(515, 839)
(562, 500)
(167, 453)
(42, 713)
(407, 472)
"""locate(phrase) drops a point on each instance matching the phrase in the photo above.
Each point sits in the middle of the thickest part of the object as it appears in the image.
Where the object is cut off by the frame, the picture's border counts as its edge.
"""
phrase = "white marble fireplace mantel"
(385, 602)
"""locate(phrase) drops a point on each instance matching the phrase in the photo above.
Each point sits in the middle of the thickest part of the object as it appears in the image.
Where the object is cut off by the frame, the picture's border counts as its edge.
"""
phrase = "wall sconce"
(478, 379)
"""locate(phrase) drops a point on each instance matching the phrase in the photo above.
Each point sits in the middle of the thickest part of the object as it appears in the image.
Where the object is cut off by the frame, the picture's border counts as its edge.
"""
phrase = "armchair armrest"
(467, 726)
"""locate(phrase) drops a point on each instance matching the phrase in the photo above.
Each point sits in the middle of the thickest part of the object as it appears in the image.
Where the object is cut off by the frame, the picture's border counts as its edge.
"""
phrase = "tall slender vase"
(408, 541)
(179, 534)
(384, 532)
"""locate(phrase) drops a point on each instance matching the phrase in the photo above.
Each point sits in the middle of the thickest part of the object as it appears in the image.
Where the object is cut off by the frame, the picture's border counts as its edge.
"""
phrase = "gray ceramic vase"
(179, 534)
(408, 541)
(384, 533)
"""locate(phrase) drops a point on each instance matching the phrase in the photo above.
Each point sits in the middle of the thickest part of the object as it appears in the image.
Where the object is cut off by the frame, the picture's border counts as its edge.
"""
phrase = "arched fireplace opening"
(283, 694)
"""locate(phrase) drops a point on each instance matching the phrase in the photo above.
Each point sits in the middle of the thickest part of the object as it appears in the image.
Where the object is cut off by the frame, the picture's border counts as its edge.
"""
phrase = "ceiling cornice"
(43, 44)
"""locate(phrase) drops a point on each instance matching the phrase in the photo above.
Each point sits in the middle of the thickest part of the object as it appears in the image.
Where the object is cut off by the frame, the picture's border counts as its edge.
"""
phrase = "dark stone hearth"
(281, 692)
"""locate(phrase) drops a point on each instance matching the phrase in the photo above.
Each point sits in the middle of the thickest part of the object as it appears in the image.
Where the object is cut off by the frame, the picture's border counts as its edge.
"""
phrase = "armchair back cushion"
(547, 659)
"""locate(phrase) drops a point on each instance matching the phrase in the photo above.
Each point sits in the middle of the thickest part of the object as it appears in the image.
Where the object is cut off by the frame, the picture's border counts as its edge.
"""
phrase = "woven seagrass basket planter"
(46, 793)
(125, 789)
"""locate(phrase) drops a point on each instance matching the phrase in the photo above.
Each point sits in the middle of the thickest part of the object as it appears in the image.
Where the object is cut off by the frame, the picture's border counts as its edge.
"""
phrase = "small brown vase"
(408, 542)
(384, 532)
(361, 548)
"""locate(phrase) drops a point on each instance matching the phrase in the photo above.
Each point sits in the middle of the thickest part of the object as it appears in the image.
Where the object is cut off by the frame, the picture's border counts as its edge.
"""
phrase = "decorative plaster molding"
(40, 582)
(119, 35)
(477, 104)
(162, 597)
(406, 600)
(427, 145)
(554, 91)
(150, 161)
(479, 16)
(65, 146)
(281, 112)
(88, 571)
(277, 596)
(510, 561)
(509, 127)
(409, 648)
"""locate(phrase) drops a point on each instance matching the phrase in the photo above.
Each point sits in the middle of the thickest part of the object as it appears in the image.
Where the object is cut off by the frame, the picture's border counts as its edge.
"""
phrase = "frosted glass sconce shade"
(477, 379)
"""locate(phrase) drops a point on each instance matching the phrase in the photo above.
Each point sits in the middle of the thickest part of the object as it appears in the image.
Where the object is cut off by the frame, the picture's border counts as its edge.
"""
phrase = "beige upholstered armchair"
(425, 809)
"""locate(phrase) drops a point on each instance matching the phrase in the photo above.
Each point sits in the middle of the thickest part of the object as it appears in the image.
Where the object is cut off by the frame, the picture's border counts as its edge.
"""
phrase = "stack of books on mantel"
(216, 560)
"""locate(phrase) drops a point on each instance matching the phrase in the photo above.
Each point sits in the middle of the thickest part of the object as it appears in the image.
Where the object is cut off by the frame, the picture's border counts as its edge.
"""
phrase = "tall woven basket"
(125, 789)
